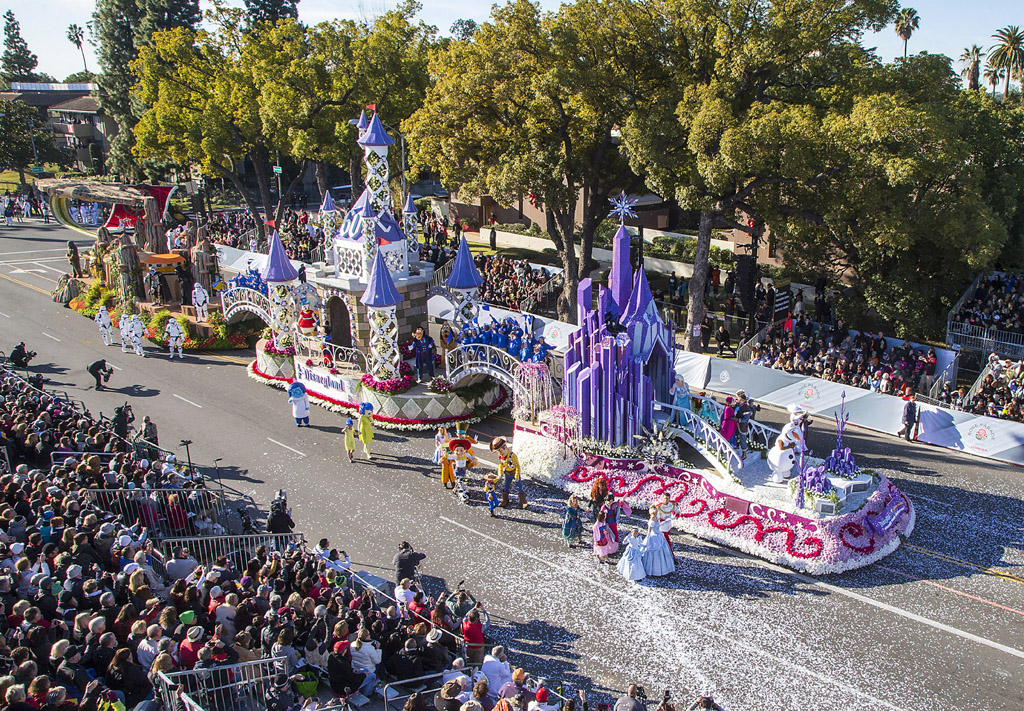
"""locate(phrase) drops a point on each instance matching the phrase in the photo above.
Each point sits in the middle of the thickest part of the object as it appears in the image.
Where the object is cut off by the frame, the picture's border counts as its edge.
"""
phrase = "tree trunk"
(247, 197)
(560, 229)
(355, 171)
(264, 188)
(282, 199)
(698, 282)
(1006, 92)
(21, 176)
(320, 171)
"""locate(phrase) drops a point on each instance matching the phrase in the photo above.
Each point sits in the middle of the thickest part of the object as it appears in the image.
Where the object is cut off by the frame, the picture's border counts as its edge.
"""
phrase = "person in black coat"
(435, 656)
(342, 678)
(406, 561)
(127, 677)
(407, 664)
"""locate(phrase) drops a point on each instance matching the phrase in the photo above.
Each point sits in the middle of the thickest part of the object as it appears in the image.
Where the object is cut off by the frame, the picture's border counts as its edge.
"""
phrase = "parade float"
(616, 423)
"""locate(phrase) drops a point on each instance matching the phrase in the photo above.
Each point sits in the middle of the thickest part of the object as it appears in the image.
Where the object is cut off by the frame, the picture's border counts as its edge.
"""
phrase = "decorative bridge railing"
(704, 437)
(759, 435)
(239, 298)
(480, 359)
(330, 355)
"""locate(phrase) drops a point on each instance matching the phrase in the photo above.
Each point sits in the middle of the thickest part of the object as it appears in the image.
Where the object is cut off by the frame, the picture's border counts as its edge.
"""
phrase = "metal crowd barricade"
(240, 549)
(236, 687)
(59, 456)
(398, 691)
(151, 507)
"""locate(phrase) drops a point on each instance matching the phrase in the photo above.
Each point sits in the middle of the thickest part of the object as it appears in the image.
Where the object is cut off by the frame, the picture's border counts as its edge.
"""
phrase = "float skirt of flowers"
(391, 412)
(814, 546)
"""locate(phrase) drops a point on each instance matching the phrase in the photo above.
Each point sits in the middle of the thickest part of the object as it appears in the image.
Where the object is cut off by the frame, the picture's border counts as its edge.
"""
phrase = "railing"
(980, 338)
(480, 359)
(539, 295)
(745, 350)
(441, 273)
(240, 298)
(239, 549)
(5, 462)
(220, 688)
(412, 686)
(58, 457)
(706, 439)
(758, 433)
(200, 508)
(340, 356)
(986, 371)
(317, 254)
(948, 375)
(968, 294)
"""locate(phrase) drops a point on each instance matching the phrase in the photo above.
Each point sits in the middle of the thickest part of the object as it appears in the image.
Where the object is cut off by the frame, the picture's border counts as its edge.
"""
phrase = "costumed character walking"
(350, 439)
(604, 540)
(658, 559)
(509, 471)
(153, 285)
(423, 347)
(74, 261)
(461, 456)
(631, 564)
(102, 319)
(175, 336)
(789, 445)
(366, 427)
(490, 491)
(299, 400)
(440, 445)
(666, 511)
(572, 523)
(201, 302)
(137, 331)
(612, 509)
(124, 327)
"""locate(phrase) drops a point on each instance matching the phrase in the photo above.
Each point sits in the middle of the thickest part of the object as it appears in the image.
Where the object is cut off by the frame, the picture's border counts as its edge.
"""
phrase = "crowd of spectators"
(998, 302)
(832, 353)
(230, 228)
(95, 618)
(1000, 393)
(509, 282)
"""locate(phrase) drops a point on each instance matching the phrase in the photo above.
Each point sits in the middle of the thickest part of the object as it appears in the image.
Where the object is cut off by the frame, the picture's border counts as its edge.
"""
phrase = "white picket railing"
(240, 298)
(705, 438)
(481, 359)
(758, 433)
(339, 356)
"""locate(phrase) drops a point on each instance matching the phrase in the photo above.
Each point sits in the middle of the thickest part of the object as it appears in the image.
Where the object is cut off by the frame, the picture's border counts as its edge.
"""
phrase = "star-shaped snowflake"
(622, 207)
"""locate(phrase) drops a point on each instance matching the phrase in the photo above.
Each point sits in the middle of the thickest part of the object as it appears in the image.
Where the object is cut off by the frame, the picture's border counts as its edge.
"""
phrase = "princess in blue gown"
(631, 565)
(657, 556)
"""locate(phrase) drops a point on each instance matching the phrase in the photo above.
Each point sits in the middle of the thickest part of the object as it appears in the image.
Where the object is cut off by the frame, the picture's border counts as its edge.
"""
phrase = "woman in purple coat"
(729, 424)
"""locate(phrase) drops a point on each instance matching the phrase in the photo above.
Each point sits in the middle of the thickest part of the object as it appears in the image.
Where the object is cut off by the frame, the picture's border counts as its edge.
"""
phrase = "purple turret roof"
(279, 268)
(380, 291)
(642, 320)
(375, 135)
(363, 122)
(410, 206)
(328, 203)
(464, 274)
(622, 274)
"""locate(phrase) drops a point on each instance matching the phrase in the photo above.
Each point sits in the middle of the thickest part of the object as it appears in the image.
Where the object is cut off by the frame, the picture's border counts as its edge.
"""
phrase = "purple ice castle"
(620, 360)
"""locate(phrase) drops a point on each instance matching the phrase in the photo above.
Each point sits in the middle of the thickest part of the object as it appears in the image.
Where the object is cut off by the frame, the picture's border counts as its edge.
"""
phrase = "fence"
(745, 351)
(196, 510)
(980, 338)
(238, 687)
(948, 375)
(440, 275)
(986, 371)
(339, 356)
(239, 549)
(705, 438)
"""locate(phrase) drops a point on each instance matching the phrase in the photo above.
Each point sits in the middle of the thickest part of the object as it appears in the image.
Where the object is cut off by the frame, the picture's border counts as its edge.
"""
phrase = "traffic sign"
(277, 170)
(38, 169)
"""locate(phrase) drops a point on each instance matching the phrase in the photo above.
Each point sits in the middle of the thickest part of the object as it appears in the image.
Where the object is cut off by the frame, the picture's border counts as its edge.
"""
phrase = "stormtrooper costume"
(201, 300)
(102, 319)
(175, 337)
(136, 331)
(125, 328)
(789, 445)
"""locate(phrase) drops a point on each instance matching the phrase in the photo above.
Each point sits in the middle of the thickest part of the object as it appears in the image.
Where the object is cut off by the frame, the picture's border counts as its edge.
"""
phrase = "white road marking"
(113, 366)
(37, 251)
(188, 401)
(4, 315)
(32, 261)
(50, 268)
(27, 271)
(53, 337)
(735, 642)
(281, 444)
(925, 498)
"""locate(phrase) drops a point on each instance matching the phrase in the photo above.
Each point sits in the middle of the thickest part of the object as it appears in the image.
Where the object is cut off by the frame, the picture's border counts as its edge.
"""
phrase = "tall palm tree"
(1008, 53)
(76, 36)
(970, 60)
(993, 75)
(906, 22)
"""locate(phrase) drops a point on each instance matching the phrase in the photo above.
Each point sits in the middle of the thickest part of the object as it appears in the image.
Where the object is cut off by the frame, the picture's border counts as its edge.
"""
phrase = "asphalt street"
(939, 624)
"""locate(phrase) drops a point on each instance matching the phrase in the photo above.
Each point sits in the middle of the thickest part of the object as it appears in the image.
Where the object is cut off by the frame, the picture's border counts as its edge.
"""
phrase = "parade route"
(938, 624)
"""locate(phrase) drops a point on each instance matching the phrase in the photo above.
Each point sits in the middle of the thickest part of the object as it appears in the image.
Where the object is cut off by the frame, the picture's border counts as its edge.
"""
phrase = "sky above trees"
(946, 28)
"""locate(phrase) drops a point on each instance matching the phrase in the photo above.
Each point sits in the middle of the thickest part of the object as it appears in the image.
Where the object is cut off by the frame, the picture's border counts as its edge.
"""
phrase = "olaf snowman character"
(201, 300)
(102, 319)
(789, 445)
(175, 337)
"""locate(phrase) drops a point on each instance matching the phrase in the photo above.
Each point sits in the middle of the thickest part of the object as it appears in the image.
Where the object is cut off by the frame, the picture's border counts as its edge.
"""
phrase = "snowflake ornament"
(622, 207)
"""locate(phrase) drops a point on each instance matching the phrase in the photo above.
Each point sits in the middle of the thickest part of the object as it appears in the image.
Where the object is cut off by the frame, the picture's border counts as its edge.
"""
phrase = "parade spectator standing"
(911, 417)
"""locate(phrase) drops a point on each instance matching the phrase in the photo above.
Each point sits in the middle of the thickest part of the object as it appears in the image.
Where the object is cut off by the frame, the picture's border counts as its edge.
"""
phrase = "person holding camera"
(20, 356)
(100, 372)
(406, 561)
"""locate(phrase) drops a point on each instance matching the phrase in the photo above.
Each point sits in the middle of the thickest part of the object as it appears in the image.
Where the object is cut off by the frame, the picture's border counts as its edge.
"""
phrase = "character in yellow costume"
(508, 470)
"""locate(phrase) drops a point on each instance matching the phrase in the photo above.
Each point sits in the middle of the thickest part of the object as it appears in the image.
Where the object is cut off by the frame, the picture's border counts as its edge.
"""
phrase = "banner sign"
(319, 381)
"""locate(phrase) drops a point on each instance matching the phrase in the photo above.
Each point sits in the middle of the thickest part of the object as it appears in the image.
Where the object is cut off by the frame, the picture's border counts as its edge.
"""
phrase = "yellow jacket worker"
(508, 469)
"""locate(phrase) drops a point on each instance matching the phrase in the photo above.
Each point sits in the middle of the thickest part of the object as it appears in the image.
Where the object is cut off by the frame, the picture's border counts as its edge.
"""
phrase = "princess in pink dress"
(604, 540)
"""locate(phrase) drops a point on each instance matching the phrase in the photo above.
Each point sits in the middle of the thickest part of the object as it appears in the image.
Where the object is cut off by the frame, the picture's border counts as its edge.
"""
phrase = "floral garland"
(388, 423)
(817, 547)
(391, 386)
(271, 348)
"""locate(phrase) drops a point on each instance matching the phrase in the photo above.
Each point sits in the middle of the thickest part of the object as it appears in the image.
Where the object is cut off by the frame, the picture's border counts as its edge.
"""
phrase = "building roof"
(279, 268)
(81, 105)
(380, 289)
(464, 274)
(375, 135)
(41, 99)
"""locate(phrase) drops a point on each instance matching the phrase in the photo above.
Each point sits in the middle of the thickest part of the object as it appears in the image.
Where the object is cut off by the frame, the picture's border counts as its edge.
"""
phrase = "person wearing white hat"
(789, 445)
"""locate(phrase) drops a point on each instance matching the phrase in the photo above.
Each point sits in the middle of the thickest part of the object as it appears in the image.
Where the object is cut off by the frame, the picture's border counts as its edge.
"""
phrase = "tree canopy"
(18, 62)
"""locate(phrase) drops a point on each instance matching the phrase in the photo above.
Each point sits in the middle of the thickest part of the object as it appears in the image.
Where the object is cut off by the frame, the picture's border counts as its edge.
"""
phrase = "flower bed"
(543, 458)
(815, 546)
(391, 386)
